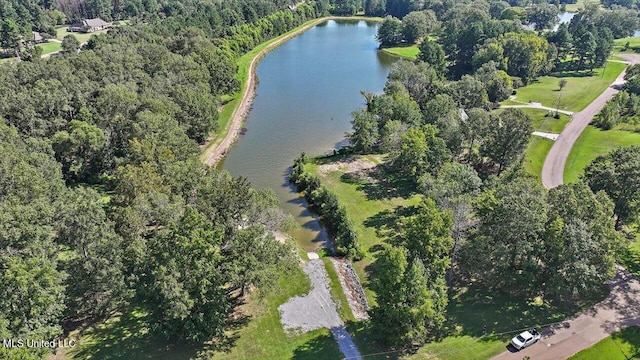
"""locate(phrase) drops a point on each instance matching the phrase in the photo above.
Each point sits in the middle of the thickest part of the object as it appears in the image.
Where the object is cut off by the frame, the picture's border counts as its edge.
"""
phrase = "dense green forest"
(104, 200)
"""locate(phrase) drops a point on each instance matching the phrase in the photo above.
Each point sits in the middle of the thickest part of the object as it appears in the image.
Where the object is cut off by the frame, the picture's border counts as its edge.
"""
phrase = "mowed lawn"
(579, 5)
(594, 142)
(365, 208)
(623, 345)
(50, 47)
(407, 52)
(581, 89)
(634, 45)
(259, 335)
(61, 32)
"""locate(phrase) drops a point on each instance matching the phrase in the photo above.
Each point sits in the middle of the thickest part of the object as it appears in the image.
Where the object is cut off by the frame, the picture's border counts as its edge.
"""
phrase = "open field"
(579, 4)
(368, 206)
(581, 89)
(259, 335)
(61, 32)
(594, 142)
(407, 52)
(623, 345)
(634, 45)
(50, 47)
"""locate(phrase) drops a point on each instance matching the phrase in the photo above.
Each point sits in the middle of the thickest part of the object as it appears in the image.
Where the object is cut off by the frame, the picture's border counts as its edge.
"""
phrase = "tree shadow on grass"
(129, 337)
(631, 338)
(381, 183)
(319, 348)
(387, 222)
(473, 308)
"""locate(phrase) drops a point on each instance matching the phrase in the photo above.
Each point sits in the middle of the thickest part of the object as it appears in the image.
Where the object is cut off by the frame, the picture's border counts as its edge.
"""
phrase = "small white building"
(89, 26)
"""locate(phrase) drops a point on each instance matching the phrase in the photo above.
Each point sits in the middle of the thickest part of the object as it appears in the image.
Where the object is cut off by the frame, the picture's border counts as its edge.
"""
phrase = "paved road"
(554, 164)
(619, 310)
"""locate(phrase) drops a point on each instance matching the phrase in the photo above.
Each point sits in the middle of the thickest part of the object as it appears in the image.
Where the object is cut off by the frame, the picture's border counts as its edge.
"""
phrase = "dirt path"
(214, 154)
(619, 310)
(554, 164)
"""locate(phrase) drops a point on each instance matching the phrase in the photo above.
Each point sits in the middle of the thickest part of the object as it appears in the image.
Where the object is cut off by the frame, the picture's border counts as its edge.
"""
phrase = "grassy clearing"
(258, 336)
(61, 32)
(50, 47)
(369, 206)
(594, 142)
(408, 52)
(541, 122)
(579, 5)
(623, 345)
(581, 89)
(634, 45)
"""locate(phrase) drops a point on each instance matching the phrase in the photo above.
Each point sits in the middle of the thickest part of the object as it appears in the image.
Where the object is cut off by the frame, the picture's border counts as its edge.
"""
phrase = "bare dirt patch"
(350, 165)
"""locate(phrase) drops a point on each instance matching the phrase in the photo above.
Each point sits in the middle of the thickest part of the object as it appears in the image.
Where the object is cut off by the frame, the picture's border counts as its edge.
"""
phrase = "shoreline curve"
(213, 154)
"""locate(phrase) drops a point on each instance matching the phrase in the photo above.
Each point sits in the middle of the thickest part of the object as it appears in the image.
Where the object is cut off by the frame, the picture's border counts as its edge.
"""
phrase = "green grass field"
(407, 52)
(623, 345)
(61, 32)
(578, 5)
(594, 142)
(258, 336)
(366, 207)
(50, 47)
(535, 155)
(580, 91)
(634, 45)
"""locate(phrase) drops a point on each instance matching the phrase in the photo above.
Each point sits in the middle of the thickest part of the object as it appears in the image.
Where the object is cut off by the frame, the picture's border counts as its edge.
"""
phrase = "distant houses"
(89, 26)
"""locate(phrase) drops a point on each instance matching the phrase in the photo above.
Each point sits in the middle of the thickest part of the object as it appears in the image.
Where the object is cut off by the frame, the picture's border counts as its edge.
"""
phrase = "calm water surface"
(307, 89)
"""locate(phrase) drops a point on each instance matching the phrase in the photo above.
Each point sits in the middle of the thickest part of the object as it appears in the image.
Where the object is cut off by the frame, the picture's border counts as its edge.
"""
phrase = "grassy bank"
(368, 205)
(623, 345)
(406, 52)
(581, 89)
(594, 142)
(232, 102)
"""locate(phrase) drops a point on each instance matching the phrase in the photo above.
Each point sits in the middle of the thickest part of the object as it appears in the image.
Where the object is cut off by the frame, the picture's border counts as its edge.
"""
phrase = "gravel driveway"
(317, 310)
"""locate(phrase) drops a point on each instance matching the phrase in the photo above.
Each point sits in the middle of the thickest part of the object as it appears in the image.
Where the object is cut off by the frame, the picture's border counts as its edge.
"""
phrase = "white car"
(525, 339)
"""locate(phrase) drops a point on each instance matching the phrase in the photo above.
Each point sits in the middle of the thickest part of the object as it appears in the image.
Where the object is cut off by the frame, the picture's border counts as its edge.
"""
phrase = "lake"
(307, 89)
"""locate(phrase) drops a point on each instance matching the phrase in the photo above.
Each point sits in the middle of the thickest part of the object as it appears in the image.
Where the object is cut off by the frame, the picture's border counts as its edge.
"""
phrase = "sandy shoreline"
(214, 154)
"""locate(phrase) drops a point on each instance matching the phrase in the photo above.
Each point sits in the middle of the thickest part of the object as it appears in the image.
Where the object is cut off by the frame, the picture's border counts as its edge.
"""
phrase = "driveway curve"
(554, 164)
(619, 310)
